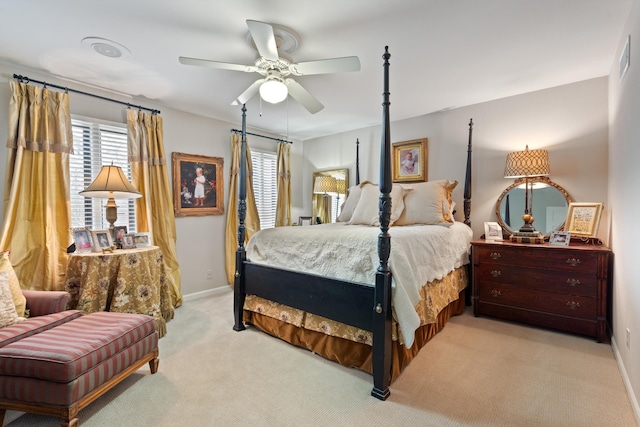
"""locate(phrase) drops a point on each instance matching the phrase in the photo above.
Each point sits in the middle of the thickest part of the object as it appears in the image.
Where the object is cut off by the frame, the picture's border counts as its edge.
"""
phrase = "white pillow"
(429, 203)
(366, 212)
(351, 202)
(8, 313)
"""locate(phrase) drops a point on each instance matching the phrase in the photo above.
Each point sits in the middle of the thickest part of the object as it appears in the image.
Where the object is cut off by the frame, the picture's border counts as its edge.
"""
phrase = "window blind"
(97, 143)
(265, 186)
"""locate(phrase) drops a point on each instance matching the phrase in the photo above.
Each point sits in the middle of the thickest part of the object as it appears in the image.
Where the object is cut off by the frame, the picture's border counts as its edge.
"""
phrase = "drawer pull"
(573, 305)
(573, 261)
(573, 282)
(495, 255)
(496, 273)
(495, 293)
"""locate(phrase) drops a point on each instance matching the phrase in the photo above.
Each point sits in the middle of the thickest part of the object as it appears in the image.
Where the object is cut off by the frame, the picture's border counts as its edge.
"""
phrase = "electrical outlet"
(209, 274)
(628, 338)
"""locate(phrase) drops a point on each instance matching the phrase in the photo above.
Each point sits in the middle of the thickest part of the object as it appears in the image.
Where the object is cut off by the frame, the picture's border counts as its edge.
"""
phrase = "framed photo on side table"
(118, 232)
(409, 161)
(127, 242)
(560, 238)
(492, 232)
(583, 219)
(101, 240)
(142, 240)
(82, 239)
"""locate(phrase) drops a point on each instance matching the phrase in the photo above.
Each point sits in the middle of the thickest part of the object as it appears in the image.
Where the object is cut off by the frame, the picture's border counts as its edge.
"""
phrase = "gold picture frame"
(409, 161)
(198, 185)
(102, 239)
(583, 219)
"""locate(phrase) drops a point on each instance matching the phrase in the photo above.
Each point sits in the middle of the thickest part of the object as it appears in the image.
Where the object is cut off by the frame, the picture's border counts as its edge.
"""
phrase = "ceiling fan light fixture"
(273, 91)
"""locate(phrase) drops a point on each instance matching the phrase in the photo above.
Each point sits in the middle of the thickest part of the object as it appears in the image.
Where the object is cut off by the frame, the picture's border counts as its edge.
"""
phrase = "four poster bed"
(333, 291)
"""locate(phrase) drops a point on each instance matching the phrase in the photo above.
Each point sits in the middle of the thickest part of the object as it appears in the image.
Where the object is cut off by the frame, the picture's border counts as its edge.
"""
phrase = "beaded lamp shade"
(527, 163)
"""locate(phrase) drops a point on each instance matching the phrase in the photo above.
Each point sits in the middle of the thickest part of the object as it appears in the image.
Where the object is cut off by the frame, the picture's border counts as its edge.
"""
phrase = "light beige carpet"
(476, 372)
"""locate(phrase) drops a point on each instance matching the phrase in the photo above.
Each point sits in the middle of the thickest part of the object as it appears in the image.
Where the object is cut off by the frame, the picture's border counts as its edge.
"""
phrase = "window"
(265, 186)
(97, 143)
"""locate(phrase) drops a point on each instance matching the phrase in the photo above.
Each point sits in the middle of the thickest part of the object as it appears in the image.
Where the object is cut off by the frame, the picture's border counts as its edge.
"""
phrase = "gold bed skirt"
(357, 352)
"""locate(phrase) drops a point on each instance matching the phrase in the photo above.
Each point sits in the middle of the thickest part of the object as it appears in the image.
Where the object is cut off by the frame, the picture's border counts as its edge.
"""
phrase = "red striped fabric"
(35, 325)
(34, 390)
(66, 352)
(40, 303)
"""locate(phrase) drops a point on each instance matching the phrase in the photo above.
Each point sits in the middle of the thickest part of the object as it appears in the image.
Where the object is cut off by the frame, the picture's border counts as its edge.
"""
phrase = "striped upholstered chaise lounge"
(58, 361)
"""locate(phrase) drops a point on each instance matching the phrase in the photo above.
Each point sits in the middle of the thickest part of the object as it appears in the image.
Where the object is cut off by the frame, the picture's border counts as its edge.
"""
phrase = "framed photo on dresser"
(583, 219)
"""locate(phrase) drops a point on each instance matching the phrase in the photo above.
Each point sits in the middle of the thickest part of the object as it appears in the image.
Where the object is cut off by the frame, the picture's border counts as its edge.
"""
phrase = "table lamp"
(525, 164)
(324, 185)
(111, 184)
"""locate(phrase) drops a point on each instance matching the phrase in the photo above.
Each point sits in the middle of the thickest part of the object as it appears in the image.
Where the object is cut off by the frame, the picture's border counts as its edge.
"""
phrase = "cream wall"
(624, 181)
(200, 240)
(570, 121)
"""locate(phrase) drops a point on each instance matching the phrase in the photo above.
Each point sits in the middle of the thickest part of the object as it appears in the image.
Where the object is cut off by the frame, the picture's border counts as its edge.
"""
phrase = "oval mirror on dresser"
(549, 203)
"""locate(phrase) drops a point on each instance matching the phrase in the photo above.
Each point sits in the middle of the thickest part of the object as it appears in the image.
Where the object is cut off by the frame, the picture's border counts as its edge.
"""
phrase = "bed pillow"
(8, 314)
(366, 211)
(351, 202)
(429, 203)
(19, 300)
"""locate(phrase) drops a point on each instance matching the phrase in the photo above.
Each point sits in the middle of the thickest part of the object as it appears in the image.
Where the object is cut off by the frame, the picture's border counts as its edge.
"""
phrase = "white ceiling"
(444, 53)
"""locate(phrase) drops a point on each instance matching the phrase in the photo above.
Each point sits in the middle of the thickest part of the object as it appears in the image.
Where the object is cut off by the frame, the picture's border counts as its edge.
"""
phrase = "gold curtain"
(154, 210)
(37, 218)
(252, 220)
(283, 171)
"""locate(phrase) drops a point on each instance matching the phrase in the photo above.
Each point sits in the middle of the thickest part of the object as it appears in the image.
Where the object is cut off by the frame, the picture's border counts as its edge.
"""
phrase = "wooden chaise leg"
(153, 365)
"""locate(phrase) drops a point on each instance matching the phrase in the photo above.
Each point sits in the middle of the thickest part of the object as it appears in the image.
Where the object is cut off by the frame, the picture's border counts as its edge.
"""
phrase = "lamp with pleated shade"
(111, 183)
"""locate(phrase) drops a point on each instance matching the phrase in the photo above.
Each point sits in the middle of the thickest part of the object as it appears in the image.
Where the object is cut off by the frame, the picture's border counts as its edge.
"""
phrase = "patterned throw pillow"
(8, 314)
(19, 300)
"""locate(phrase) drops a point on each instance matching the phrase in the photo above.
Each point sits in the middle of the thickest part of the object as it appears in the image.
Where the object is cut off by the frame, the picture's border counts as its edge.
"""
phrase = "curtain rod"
(66, 89)
(284, 141)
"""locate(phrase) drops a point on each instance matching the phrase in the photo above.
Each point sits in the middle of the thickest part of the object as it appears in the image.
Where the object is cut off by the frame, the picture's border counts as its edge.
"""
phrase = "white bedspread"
(419, 254)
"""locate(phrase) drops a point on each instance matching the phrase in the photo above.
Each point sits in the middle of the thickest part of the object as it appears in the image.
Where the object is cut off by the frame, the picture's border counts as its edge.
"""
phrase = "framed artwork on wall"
(409, 161)
(198, 185)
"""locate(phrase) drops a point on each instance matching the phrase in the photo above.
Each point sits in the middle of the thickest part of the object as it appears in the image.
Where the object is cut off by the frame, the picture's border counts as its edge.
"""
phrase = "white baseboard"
(627, 384)
(208, 292)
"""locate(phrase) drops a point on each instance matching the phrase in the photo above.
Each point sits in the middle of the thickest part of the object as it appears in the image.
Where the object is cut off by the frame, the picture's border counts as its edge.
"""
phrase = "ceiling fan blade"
(219, 65)
(301, 95)
(263, 38)
(247, 94)
(325, 66)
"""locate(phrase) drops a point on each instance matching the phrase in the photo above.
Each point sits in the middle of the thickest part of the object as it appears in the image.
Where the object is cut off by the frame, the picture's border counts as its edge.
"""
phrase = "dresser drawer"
(562, 281)
(562, 259)
(550, 302)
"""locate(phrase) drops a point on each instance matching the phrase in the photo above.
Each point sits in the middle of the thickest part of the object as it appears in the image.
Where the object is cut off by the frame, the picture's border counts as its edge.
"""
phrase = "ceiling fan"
(273, 43)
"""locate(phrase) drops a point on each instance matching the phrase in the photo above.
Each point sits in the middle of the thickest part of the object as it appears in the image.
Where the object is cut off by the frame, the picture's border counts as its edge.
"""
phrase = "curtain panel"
(37, 218)
(252, 220)
(283, 171)
(154, 210)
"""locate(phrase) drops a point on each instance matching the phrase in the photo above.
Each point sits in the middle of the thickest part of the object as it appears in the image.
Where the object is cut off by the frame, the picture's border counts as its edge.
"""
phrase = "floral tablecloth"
(126, 280)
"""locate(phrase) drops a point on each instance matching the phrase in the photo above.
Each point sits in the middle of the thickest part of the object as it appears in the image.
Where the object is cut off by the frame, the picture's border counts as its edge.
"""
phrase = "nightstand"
(559, 287)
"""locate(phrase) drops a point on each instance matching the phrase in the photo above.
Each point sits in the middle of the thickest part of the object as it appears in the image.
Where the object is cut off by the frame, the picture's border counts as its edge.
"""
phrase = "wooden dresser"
(560, 287)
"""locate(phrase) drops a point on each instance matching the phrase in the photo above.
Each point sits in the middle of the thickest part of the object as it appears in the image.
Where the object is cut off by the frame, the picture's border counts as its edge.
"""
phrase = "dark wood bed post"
(241, 254)
(467, 208)
(467, 180)
(357, 162)
(381, 358)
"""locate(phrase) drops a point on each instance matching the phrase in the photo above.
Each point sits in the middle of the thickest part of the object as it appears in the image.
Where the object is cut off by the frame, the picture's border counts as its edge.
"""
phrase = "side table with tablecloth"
(125, 280)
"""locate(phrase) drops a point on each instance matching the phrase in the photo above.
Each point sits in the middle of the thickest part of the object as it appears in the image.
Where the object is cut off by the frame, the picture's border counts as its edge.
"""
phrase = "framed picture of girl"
(409, 161)
(198, 185)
